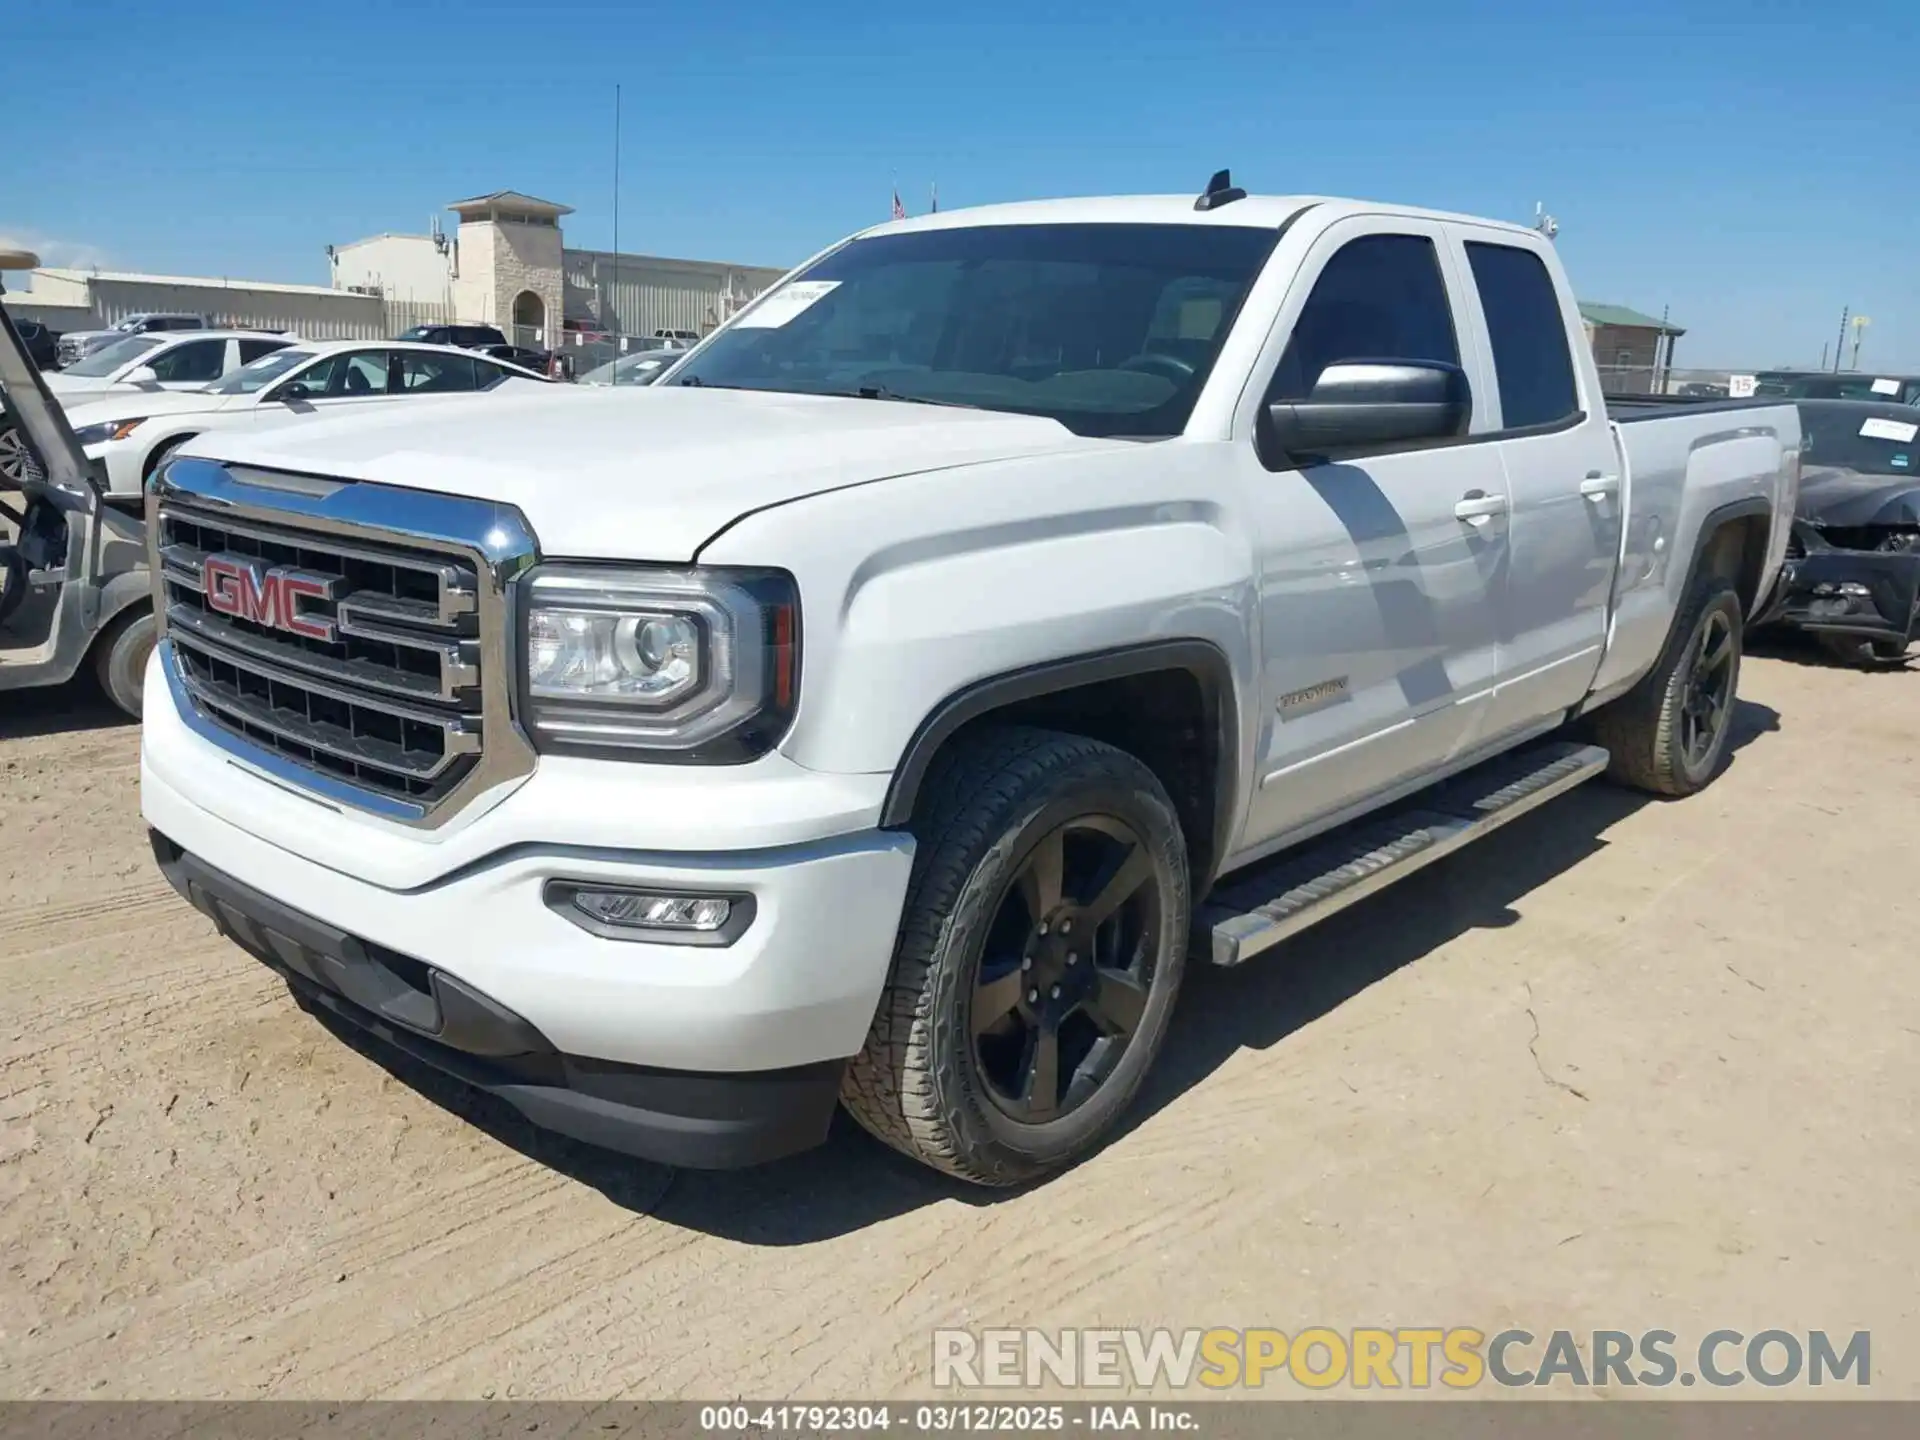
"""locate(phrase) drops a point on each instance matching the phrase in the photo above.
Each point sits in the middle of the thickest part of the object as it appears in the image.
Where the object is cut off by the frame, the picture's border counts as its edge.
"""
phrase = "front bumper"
(712, 1121)
(797, 988)
(1874, 595)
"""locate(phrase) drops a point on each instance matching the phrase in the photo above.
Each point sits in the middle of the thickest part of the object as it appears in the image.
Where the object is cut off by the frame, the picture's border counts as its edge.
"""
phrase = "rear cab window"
(1531, 358)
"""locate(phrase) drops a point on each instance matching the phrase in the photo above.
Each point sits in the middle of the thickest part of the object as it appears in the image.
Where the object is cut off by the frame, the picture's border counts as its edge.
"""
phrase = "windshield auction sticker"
(783, 305)
(1875, 428)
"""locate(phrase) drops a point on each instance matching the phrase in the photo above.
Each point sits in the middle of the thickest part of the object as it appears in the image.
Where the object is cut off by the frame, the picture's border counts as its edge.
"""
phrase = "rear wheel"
(120, 658)
(1039, 955)
(1669, 733)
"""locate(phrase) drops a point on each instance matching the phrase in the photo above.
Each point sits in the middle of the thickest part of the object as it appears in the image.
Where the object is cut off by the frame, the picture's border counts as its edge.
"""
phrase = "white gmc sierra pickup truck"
(1007, 609)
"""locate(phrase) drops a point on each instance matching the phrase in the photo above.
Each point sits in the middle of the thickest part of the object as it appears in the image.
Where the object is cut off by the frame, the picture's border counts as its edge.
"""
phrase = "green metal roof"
(1621, 315)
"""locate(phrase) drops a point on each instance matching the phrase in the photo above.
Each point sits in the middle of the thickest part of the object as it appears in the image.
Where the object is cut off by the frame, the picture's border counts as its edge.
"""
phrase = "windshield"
(1875, 440)
(420, 332)
(640, 368)
(265, 370)
(109, 358)
(1109, 329)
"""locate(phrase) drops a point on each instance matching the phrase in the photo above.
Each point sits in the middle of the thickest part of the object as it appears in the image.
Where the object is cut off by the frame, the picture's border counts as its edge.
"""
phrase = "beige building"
(507, 264)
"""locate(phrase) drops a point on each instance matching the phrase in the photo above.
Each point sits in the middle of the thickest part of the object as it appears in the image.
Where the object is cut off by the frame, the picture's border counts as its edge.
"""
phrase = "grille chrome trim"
(461, 739)
(486, 545)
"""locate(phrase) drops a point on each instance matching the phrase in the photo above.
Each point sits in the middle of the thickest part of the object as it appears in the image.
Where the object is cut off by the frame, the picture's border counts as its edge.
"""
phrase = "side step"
(1273, 901)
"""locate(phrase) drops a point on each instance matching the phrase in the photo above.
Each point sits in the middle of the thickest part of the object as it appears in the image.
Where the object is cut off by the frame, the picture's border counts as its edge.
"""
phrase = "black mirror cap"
(1366, 404)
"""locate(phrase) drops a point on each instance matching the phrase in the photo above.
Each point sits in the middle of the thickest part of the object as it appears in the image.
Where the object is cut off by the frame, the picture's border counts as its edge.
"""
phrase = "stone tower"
(510, 271)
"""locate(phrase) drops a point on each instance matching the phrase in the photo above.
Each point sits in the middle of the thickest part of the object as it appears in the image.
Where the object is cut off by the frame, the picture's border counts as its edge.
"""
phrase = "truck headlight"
(688, 665)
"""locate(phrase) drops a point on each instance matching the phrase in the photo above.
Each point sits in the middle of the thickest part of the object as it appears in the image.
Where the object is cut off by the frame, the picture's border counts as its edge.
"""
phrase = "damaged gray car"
(1852, 574)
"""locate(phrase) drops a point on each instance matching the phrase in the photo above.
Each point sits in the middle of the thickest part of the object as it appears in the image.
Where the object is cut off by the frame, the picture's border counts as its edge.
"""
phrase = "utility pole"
(1840, 349)
(1823, 357)
(613, 285)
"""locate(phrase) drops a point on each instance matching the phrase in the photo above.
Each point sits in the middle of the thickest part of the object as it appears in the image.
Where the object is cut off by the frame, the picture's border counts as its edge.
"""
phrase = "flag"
(899, 210)
(935, 193)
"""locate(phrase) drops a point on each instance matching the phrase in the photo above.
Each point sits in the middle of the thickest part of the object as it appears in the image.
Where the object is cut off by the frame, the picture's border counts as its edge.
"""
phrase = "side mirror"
(1365, 404)
(291, 391)
(145, 375)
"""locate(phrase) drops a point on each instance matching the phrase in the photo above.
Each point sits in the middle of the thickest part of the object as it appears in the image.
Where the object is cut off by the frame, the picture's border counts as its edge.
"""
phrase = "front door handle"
(1478, 508)
(1597, 487)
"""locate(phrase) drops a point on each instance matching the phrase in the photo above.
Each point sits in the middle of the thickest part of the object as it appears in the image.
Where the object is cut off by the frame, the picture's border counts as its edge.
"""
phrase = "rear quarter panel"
(915, 588)
(1683, 472)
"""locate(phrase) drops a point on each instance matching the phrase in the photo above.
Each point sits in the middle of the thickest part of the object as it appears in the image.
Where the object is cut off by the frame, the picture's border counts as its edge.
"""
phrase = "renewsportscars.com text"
(1459, 1358)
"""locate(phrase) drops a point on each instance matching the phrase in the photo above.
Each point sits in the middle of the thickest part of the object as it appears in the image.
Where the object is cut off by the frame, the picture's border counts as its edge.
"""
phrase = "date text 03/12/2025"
(940, 1419)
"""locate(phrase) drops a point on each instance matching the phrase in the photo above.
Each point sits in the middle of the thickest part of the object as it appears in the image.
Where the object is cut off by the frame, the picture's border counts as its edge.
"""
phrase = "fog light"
(661, 916)
(654, 912)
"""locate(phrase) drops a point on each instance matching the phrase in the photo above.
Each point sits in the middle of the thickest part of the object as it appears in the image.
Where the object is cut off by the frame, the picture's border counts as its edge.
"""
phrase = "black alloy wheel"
(1066, 969)
(1708, 700)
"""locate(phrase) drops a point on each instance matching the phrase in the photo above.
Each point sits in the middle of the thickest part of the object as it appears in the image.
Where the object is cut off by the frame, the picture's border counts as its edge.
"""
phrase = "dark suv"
(467, 337)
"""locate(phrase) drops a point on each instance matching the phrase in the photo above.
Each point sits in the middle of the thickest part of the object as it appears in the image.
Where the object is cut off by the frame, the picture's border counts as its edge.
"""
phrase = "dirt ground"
(1625, 1065)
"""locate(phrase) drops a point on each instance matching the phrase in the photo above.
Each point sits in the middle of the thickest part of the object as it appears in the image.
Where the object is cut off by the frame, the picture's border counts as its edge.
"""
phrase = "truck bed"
(1625, 409)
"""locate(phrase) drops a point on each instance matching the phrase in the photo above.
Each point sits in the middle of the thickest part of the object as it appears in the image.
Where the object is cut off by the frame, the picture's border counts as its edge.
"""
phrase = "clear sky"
(1752, 166)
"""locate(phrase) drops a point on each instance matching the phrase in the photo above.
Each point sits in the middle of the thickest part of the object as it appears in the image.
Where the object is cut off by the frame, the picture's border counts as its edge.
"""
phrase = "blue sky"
(1754, 166)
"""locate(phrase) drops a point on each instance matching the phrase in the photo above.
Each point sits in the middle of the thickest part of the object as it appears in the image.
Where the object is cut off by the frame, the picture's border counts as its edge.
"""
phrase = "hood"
(120, 402)
(640, 472)
(90, 386)
(1847, 499)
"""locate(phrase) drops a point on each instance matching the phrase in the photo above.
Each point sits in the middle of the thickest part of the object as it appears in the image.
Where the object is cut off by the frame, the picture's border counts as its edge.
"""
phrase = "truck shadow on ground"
(853, 1181)
(58, 710)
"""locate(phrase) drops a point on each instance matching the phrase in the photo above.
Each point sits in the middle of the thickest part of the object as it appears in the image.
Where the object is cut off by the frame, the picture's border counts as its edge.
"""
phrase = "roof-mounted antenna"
(1220, 191)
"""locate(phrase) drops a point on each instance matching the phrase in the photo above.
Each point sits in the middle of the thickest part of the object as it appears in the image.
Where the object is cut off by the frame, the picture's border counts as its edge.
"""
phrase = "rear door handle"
(1477, 509)
(1597, 487)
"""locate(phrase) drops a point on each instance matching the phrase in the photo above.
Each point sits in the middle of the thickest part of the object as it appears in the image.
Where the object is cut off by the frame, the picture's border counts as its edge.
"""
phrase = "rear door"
(1563, 481)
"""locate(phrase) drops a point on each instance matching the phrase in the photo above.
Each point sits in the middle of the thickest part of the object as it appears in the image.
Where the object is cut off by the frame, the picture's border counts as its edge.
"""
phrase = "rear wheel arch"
(1170, 703)
(1733, 544)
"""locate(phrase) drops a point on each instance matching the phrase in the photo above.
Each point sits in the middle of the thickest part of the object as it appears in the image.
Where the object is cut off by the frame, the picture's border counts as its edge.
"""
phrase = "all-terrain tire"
(120, 658)
(1642, 729)
(987, 801)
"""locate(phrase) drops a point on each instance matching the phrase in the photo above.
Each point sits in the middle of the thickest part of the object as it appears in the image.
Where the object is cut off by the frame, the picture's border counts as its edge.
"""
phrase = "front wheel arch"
(1034, 695)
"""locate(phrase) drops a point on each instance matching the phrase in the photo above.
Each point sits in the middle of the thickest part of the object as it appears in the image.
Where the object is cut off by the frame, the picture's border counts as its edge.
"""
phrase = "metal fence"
(1668, 380)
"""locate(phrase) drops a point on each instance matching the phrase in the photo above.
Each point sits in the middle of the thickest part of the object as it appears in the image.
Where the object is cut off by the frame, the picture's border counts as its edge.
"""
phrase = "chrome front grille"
(349, 637)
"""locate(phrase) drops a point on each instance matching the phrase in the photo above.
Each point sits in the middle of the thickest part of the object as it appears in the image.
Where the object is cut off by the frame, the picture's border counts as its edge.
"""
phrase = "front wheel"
(1040, 952)
(120, 658)
(13, 456)
(1669, 733)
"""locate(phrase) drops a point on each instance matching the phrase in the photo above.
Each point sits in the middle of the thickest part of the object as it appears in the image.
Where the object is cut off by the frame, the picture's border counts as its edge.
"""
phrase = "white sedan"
(178, 361)
(160, 360)
(126, 436)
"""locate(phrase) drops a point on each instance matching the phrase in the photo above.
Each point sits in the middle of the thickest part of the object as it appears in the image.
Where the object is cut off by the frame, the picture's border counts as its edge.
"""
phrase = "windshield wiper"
(882, 392)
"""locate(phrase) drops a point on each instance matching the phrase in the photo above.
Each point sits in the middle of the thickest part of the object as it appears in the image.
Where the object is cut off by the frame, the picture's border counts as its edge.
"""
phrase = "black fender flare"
(1202, 659)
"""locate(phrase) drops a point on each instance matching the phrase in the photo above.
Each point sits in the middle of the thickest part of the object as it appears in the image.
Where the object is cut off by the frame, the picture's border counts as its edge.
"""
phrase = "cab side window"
(1530, 355)
(1381, 297)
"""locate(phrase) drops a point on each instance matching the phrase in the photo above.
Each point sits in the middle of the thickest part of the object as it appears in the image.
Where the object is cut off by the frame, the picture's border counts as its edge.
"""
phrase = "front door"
(1377, 572)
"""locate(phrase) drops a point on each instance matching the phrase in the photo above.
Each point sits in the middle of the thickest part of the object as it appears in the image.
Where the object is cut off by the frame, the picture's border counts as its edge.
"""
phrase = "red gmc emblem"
(245, 589)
